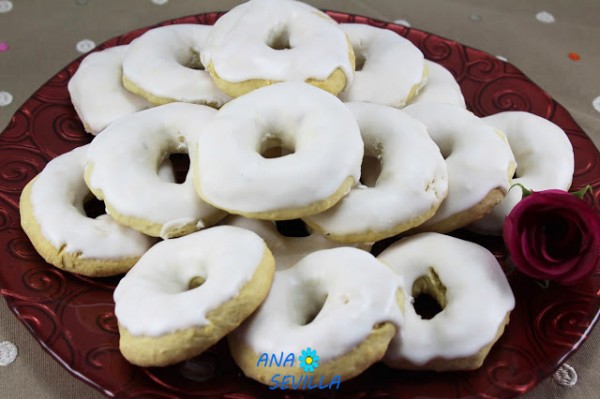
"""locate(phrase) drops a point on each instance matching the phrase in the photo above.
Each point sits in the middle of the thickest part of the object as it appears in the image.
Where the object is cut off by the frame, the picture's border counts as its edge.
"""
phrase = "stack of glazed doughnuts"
(286, 115)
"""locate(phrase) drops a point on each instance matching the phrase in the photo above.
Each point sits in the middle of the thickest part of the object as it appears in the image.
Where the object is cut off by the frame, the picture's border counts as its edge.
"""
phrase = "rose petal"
(583, 269)
(562, 238)
(548, 266)
(538, 268)
(587, 264)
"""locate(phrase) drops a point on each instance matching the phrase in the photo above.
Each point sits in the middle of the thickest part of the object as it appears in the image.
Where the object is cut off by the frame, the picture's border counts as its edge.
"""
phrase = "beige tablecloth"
(556, 43)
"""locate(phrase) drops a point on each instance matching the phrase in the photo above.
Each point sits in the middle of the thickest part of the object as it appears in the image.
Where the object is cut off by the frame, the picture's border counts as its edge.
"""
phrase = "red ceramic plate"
(72, 317)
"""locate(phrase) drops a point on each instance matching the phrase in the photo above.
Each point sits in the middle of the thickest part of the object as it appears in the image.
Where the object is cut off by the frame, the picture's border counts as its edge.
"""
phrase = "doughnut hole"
(279, 40)
(174, 168)
(93, 207)
(272, 146)
(446, 147)
(292, 228)
(195, 282)
(312, 307)
(193, 62)
(371, 166)
(429, 295)
(360, 59)
(370, 170)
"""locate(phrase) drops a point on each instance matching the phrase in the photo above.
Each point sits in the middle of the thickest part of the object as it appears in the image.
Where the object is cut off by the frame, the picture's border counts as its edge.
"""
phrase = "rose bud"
(553, 235)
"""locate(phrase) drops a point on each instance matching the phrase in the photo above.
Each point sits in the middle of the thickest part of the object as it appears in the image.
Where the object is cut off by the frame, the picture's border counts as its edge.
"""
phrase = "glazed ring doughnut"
(122, 170)
(185, 294)
(267, 41)
(97, 91)
(412, 183)
(440, 87)
(390, 70)
(479, 160)
(472, 291)
(163, 66)
(544, 157)
(53, 217)
(341, 302)
(287, 250)
(233, 175)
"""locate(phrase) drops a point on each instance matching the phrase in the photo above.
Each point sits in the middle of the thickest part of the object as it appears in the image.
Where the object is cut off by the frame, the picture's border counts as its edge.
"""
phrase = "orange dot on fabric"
(574, 56)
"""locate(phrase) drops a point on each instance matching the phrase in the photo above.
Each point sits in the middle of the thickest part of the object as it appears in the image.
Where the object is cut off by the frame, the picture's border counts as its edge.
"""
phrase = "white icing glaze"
(477, 155)
(57, 198)
(97, 90)
(440, 87)
(544, 157)
(154, 296)
(157, 63)
(238, 45)
(287, 251)
(413, 178)
(125, 159)
(477, 293)
(358, 293)
(328, 149)
(393, 68)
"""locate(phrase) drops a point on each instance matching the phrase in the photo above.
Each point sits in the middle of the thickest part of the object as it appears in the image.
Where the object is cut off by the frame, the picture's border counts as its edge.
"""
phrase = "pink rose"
(553, 235)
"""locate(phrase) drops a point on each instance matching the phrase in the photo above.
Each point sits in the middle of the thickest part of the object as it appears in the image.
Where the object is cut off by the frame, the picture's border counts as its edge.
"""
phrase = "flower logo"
(309, 360)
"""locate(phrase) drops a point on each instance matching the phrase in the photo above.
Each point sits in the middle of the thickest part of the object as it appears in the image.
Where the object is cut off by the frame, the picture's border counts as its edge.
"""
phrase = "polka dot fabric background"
(553, 42)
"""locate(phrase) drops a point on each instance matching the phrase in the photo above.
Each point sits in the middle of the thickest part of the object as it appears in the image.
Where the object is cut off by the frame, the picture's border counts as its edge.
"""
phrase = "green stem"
(525, 191)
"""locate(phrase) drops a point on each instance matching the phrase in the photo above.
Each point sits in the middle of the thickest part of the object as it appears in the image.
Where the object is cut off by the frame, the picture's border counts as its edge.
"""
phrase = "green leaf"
(581, 193)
